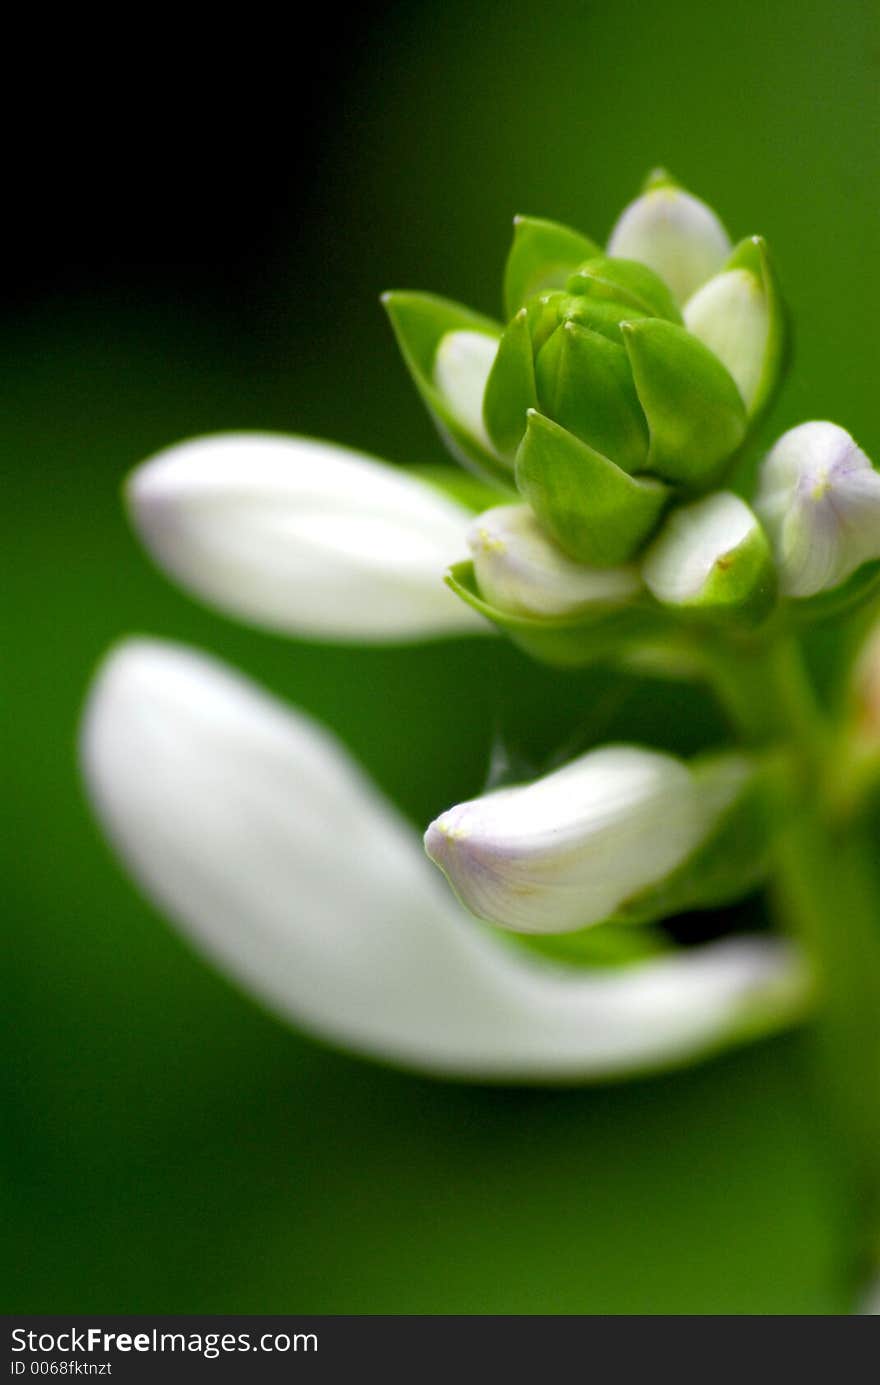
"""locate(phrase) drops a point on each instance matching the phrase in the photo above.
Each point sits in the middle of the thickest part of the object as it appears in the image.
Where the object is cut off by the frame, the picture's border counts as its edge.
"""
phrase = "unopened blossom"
(819, 499)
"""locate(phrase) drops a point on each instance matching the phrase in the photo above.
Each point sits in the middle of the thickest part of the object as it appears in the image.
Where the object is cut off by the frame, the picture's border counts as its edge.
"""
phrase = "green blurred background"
(170, 1147)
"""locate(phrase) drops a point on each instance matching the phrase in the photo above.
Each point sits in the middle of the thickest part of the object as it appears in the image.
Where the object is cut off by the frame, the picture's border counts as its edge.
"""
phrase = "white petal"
(462, 366)
(691, 542)
(676, 235)
(819, 499)
(519, 569)
(567, 850)
(304, 536)
(256, 833)
(731, 316)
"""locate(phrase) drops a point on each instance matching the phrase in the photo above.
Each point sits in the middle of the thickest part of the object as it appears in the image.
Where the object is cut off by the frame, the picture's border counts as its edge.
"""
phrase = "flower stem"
(827, 890)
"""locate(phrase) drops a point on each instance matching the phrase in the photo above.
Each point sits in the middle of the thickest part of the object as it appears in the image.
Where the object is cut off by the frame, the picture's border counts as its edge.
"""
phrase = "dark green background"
(169, 1146)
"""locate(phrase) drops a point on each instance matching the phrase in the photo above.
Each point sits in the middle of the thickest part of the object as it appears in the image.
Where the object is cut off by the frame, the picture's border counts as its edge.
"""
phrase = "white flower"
(819, 500)
(567, 850)
(462, 365)
(518, 569)
(257, 834)
(304, 536)
(675, 234)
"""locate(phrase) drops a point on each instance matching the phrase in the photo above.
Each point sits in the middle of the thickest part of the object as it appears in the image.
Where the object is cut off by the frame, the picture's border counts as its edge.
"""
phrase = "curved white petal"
(519, 569)
(730, 314)
(303, 536)
(566, 851)
(676, 235)
(257, 834)
(462, 366)
(819, 500)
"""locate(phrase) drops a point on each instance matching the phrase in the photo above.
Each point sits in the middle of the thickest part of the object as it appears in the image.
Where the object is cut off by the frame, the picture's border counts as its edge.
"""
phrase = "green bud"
(696, 417)
(542, 257)
(422, 325)
(740, 316)
(597, 513)
(712, 557)
(510, 389)
(585, 383)
(603, 315)
(626, 282)
(544, 315)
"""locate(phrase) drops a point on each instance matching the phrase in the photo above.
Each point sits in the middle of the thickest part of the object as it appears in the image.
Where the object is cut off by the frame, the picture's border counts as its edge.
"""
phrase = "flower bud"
(519, 570)
(449, 352)
(712, 555)
(302, 536)
(675, 234)
(696, 417)
(568, 850)
(627, 282)
(819, 499)
(597, 513)
(585, 383)
(740, 316)
(542, 257)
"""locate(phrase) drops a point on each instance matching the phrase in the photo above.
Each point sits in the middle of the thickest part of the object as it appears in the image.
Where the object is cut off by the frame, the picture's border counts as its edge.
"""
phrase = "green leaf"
(625, 281)
(542, 256)
(597, 513)
(567, 641)
(585, 383)
(510, 389)
(696, 417)
(420, 322)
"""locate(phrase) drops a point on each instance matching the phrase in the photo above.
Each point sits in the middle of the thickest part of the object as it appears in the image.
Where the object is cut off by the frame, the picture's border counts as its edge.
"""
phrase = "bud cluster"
(609, 411)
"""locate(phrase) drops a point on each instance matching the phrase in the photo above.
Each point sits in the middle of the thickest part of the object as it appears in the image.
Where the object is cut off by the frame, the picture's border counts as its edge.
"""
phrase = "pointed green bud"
(675, 234)
(544, 315)
(585, 383)
(542, 257)
(597, 513)
(712, 556)
(696, 417)
(518, 569)
(510, 389)
(603, 315)
(819, 498)
(449, 352)
(739, 314)
(627, 282)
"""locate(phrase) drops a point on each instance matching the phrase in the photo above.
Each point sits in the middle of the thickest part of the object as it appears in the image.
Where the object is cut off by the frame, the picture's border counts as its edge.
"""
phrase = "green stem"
(828, 893)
